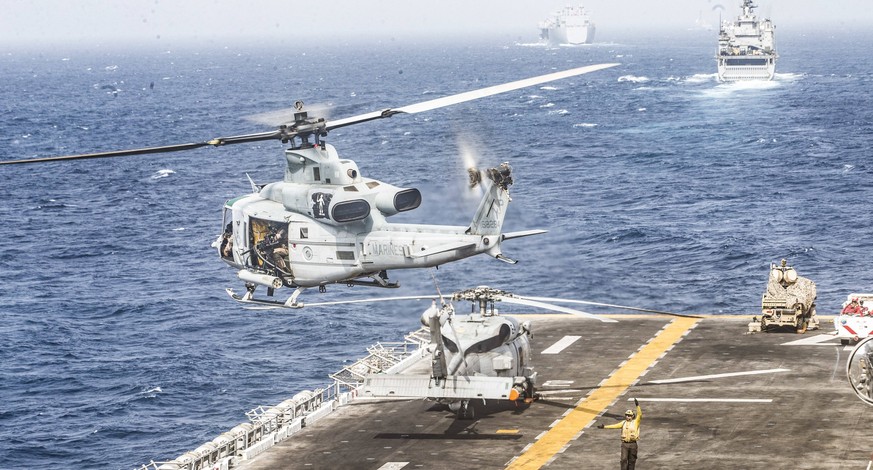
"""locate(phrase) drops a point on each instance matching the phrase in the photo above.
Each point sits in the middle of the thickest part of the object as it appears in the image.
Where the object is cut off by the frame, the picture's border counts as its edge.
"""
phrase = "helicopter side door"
(233, 242)
(269, 242)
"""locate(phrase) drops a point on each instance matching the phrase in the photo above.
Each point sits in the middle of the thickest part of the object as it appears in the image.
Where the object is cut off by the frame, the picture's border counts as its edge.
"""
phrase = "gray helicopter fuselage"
(334, 223)
(494, 346)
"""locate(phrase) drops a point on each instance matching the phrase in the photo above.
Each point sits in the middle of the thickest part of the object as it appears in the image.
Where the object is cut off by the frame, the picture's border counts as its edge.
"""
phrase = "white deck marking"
(561, 345)
(557, 383)
(560, 392)
(816, 340)
(717, 376)
(393, 465)
(708, 400)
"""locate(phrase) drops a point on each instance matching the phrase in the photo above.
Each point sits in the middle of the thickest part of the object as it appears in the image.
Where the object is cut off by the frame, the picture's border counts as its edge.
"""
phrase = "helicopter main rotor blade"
(600, 304)
(556, 308)
(285, 133)
(116, 153)
(465, 96)
(216, 142)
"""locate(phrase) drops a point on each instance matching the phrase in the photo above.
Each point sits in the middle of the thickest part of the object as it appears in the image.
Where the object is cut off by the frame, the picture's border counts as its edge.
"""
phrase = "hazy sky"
(169, 21)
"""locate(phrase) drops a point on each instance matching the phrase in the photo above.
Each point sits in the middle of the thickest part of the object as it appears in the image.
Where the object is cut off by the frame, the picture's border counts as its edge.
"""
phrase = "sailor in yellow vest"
(630, 434)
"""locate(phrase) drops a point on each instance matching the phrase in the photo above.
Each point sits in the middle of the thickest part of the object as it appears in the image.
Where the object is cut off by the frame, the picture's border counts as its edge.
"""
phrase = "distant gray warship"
(746, 47)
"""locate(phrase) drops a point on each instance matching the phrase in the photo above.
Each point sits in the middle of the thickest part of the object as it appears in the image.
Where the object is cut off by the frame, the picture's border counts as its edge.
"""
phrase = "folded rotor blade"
(466, 96)
(600, 304)
(556, 308)
(461, 350)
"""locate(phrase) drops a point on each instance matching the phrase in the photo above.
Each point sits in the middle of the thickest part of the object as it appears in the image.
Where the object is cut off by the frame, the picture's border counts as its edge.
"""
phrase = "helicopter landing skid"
(384, 284)
(248, 298)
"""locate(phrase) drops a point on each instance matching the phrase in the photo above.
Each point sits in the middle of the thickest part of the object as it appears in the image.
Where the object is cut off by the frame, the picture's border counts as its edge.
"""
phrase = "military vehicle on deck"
(789, 300)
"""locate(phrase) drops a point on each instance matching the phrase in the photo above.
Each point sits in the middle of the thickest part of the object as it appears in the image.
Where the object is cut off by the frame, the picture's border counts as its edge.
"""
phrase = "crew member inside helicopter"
(227, 241)
(277, 249)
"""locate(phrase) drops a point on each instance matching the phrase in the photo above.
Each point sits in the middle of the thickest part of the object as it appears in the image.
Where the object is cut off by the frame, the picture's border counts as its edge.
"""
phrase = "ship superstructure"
(746, 47)
(570, 25)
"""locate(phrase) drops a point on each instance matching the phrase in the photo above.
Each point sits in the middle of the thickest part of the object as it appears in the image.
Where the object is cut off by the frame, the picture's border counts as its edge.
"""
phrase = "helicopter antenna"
(255, 187)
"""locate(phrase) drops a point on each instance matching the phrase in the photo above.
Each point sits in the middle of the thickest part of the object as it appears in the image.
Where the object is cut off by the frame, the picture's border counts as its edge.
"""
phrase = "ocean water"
(660, 188)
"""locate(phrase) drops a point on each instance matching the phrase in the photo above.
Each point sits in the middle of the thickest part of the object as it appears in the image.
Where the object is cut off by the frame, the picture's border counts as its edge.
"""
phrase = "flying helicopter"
(326, 223)
(480, 356)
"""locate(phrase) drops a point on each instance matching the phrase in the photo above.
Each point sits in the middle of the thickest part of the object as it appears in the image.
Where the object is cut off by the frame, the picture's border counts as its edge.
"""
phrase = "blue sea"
(660, 188)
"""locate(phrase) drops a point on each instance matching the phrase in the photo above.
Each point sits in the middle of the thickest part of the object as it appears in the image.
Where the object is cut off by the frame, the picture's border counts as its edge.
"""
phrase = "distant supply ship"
(571, 25)
(746, 47)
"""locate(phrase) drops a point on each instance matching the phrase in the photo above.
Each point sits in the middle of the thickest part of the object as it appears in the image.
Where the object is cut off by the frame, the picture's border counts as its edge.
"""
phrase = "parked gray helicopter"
(326, 223)
(480, 356)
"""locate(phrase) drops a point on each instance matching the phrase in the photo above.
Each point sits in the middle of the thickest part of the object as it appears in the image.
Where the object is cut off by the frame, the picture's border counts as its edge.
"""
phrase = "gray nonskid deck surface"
(814, 420)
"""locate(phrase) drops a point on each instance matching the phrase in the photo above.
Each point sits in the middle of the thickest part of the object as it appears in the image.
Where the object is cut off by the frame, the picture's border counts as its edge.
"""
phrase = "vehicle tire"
(801, 329)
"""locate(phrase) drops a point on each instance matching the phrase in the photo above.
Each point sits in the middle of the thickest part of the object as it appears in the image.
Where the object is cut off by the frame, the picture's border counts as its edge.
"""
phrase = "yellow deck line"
(570, 425)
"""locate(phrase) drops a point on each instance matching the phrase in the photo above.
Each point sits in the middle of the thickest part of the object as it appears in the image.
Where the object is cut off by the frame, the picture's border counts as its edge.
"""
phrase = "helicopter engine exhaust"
(392, 200)
(260, 279)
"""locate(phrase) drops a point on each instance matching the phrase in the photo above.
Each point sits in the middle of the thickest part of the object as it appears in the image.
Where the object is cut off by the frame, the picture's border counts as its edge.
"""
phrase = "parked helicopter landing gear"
(463, 409)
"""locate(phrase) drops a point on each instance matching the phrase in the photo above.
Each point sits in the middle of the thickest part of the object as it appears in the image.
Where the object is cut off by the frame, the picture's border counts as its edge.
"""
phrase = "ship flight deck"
(712, 396)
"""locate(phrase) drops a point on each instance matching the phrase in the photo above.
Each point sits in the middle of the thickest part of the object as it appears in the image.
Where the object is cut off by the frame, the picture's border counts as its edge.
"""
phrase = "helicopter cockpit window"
(372, 184)
(316, 173)
(350, 188)
(304, 232)
(226, 247)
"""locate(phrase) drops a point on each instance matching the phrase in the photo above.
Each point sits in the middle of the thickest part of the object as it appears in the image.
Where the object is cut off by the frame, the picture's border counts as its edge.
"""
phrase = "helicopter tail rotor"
(467, 152)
